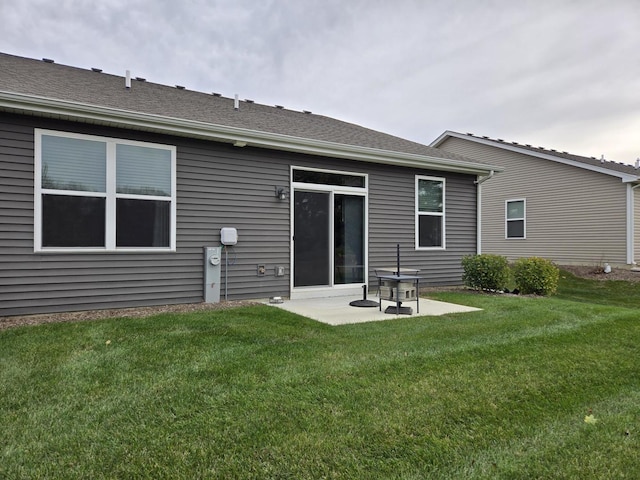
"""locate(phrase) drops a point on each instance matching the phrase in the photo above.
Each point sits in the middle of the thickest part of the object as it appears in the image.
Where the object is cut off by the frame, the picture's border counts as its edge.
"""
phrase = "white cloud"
(560, 73)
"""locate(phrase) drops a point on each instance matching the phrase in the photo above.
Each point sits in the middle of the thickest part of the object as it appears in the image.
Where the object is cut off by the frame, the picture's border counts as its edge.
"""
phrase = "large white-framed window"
(515, 219)
(100, 194)
(430, 213)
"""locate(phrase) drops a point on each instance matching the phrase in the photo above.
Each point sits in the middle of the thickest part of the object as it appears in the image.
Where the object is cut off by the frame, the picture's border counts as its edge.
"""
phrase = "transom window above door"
(329, 178)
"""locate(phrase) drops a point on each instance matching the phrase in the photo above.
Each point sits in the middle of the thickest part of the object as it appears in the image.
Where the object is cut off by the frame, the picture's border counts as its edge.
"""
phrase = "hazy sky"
(554, 73)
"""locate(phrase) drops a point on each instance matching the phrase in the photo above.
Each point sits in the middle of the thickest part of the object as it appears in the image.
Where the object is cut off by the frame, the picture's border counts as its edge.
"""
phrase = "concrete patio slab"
(337, 311)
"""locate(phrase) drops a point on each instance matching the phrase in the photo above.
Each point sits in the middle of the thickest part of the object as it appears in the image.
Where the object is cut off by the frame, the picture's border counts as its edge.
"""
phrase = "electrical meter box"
(228, 236)
(212, 260)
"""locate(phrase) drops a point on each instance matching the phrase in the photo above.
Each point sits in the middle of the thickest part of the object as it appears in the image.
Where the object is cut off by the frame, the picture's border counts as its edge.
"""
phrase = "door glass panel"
(311, 239)
(348, 239)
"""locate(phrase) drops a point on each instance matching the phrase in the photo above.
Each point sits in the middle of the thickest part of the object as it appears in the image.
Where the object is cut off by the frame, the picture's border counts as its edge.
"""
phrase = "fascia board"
(190, 128)
(448, 133)
(624, 177)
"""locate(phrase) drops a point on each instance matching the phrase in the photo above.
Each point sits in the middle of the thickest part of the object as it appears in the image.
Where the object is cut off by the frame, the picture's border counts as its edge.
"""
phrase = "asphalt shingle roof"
(591, 161)
(26, 76)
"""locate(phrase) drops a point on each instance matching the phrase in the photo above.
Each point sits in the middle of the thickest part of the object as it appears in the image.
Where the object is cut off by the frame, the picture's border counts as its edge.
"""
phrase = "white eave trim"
(624, 177)
(63, 109)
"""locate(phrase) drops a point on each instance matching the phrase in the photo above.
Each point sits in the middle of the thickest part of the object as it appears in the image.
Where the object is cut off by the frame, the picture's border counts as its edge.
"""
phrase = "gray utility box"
(212, 265)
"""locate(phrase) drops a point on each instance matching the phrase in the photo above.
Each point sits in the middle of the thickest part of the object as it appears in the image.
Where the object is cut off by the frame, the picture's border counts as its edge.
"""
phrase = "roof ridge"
(146, 80)
(37, 81)
(621, 166)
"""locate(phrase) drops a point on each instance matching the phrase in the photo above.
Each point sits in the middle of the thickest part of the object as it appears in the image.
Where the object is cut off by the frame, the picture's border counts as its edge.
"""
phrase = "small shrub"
(536, 275)
(485, 272)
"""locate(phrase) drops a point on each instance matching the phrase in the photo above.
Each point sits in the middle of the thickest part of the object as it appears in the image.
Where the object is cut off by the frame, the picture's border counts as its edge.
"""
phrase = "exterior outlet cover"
(261, 270)
(279, 271)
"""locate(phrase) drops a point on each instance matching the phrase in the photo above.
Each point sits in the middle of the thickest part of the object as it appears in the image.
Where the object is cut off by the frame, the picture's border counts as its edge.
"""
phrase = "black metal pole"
(398, 258)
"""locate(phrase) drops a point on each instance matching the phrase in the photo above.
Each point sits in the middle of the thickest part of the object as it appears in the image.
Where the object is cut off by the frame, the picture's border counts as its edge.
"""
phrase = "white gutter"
(631, 223)
(479, 183)
(625, 177)
(34, 105)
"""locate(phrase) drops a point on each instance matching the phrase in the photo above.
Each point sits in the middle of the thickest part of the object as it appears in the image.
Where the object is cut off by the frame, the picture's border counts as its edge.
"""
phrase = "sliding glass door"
(328, 238)
(311, 239)
(348, 239)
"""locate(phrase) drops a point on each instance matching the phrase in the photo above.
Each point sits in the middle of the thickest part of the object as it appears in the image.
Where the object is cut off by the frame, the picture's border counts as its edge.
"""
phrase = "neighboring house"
(111, 186)
(567, 208)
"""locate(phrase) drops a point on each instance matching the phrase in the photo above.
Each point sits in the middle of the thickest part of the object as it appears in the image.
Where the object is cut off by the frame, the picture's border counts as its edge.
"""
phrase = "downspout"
(631, 224)
(479, 183)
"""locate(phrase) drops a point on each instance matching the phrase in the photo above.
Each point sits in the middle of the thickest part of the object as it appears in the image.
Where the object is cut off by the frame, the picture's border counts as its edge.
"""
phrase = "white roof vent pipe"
(637, 163)
(236, 103)
(127, 80)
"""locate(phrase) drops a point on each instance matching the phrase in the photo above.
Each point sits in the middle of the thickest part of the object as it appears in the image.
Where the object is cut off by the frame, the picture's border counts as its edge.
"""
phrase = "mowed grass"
(260, 393)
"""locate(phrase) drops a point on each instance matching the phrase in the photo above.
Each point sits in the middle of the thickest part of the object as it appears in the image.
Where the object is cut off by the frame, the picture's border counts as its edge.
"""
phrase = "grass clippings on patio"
(527, 388)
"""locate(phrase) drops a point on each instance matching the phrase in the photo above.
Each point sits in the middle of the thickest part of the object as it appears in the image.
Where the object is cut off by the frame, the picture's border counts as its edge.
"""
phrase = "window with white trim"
(103, 194)
(515, 218)
(430, 212)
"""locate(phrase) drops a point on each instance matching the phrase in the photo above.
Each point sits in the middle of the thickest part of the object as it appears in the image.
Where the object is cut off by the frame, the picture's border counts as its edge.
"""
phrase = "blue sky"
(554, 73)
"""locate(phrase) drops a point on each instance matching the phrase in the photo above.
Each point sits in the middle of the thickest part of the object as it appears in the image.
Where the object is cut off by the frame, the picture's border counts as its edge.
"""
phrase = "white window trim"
(434, 214)
(321, 186)
(331, 289)
(110, 195)
(507, 219)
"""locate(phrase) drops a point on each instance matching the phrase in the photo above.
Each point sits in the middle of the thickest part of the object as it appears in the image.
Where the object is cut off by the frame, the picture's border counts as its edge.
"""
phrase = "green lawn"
(261, 393)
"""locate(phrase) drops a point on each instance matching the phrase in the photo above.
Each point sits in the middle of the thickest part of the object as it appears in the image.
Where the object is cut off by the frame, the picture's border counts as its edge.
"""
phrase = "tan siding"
(572, 215)
(636, 233)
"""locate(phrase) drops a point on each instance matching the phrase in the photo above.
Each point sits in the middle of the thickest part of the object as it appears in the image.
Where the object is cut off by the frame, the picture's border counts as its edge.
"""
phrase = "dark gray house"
(111, 186)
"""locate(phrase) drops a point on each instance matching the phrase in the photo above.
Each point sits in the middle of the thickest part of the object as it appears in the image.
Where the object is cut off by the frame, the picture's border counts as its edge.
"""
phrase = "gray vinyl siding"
(573, 215)
(218, 185)
(392, 221)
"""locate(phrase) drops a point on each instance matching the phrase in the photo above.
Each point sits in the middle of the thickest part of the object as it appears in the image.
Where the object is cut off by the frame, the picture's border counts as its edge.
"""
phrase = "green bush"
(485, 272)
(536, 275)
